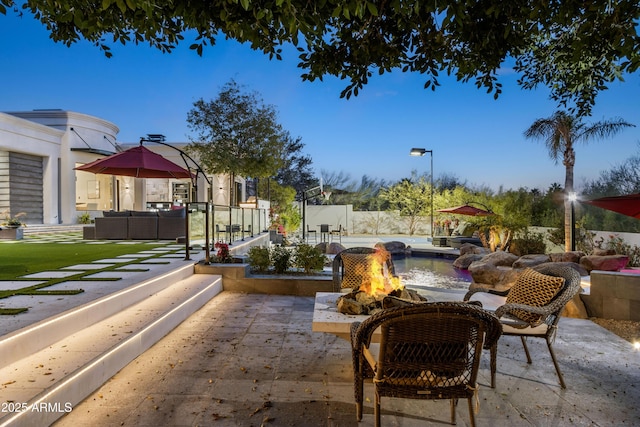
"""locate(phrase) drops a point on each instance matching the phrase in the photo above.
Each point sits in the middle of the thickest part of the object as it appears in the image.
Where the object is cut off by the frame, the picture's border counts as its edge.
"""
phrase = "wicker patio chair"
(346, 277)
(533, 308)
(426, 351)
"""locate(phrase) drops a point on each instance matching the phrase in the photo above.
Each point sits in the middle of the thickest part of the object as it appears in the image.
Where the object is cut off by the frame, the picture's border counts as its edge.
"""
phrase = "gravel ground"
(627, 329)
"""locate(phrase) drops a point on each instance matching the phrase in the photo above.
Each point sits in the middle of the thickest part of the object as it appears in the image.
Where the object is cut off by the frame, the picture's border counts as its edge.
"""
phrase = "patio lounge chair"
(427, 351)
(533, 306)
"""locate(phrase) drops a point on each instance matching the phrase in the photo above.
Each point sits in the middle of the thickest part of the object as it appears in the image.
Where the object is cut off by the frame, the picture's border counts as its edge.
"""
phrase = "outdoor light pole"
(572, 198)
(421, 152)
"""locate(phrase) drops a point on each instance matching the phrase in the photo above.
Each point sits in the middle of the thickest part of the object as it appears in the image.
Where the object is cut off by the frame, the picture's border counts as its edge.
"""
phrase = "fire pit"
(360, 302)
(377, 288)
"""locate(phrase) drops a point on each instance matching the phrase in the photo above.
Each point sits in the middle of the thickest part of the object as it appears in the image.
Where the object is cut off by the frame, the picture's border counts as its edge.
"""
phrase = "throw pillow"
(357, 270)
(534, 289)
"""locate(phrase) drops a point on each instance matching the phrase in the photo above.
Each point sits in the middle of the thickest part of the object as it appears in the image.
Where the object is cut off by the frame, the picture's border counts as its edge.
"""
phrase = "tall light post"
(421, 152)
(572, 198)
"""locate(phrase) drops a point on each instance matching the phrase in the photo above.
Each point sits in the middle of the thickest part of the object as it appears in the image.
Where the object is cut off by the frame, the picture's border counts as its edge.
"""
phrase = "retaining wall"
(613, 295)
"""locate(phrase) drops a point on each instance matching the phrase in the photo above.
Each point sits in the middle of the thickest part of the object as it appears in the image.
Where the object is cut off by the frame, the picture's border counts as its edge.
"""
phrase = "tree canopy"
(574, 47)
(237, 133)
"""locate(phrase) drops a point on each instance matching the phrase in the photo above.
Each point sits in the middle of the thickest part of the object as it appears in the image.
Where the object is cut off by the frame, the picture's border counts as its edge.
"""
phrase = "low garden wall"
(237, 278)
(613, 295)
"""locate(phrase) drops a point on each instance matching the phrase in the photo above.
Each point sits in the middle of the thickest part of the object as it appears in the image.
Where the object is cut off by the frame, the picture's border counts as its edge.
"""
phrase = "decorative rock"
(470, 248)
(350, 306)
(463, 262)
(577, 267)
(606, 262)
(500, 258)
(573, 256)
(394, 248)
(575, 308)
(330, 248)
(530, 260)
(487, 273)
(492, 277)
(603, 252)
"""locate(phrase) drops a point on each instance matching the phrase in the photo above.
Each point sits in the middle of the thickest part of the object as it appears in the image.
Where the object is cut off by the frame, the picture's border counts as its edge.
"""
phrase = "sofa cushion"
(144, 213)
(111, 214)
(174, 213)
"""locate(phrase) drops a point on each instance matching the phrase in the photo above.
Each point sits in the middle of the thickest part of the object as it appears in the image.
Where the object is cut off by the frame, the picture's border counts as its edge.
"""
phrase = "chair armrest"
(468, 295)
(509, 308)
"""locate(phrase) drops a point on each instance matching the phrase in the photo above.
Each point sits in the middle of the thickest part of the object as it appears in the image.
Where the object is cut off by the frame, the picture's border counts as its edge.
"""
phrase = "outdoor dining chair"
(427, 351)
(533, 307)
(310, 232)
(337, 232)
(348, 267)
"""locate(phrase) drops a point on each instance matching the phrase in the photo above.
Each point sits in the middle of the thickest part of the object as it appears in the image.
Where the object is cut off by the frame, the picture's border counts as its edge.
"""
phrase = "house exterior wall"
(61, 139)
(22, 136)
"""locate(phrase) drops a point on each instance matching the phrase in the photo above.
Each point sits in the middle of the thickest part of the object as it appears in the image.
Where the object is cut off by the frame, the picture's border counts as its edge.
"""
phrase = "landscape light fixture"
(421, 152)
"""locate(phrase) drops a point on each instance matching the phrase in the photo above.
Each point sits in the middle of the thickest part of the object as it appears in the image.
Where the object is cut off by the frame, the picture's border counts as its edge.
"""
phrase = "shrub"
(528, 243)
(259, 258)
(84, 218)
(223, 255)
(620, 247)
(281, 259)
(308, 258)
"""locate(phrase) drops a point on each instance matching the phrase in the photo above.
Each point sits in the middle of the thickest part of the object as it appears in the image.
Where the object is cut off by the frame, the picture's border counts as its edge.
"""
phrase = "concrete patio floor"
(252, 360)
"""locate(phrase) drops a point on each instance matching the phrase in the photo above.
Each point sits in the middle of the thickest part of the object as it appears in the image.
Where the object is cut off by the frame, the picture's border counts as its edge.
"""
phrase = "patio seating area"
(253, 359)
(138, 225)
(249, 359)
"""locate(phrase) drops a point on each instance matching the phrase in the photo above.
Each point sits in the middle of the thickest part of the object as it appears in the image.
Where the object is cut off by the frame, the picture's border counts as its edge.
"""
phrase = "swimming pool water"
(431, 272)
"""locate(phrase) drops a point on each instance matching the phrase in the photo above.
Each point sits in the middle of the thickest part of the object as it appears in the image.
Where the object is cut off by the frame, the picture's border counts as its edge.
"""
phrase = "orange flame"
(381, 281)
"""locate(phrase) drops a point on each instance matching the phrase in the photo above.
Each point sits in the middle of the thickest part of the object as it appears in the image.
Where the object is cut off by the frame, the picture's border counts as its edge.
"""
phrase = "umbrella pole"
(207, 251)
(186, 228)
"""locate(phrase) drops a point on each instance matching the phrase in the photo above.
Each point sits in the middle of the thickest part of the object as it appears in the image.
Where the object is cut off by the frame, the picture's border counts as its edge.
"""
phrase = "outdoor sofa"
(141, 225)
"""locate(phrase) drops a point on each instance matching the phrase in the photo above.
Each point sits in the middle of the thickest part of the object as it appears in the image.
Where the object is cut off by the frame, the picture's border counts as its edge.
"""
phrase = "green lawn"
(19, 259)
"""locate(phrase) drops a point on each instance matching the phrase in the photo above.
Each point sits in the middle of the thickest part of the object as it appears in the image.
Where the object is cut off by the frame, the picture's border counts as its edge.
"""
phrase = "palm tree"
(560, 133)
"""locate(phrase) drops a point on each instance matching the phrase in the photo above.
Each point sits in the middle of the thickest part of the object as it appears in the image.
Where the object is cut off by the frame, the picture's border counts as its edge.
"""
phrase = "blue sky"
(473, 137)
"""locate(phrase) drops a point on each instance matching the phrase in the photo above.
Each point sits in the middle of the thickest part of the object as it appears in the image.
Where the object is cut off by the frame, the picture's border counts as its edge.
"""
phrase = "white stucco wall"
(56, 136)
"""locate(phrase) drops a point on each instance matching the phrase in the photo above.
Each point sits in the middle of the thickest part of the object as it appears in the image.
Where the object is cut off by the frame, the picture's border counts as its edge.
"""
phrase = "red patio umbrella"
(139, 162)
(466, 210)
(626, 205)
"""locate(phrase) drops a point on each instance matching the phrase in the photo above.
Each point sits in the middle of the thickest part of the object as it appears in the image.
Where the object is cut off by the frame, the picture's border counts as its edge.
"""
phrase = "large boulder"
(394, 248)
(491, 276)
(530, 260)
(500, 258)
(470, 248)
(572, 256)
(577, 267)
(605, 262)
(330, 248)
(603, 252)
(464, 261)
(575, 308)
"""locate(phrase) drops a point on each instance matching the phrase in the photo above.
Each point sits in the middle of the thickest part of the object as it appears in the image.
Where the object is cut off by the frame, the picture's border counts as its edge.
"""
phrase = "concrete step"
(45, 228)
(86, 346)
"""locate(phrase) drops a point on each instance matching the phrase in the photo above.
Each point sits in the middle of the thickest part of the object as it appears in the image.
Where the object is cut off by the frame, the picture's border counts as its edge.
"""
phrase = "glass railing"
(228, 224)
